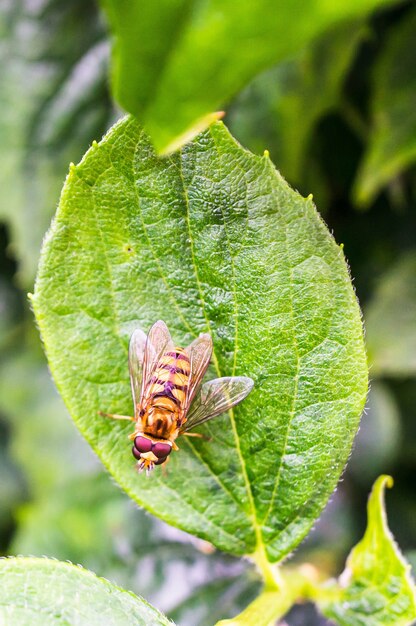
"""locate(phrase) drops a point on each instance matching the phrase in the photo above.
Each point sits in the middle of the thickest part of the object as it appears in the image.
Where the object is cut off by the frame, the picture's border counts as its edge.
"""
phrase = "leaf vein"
(296, 379)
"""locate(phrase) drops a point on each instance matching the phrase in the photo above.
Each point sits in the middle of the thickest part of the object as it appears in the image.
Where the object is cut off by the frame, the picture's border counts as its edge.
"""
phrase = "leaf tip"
(382, 482)
(198, 127)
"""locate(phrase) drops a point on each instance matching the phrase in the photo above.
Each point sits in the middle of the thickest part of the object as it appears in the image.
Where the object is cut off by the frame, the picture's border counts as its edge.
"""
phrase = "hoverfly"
(168, 397)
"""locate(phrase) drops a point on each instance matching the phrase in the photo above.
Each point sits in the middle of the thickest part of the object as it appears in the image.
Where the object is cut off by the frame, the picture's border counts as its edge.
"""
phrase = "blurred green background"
(339, 120)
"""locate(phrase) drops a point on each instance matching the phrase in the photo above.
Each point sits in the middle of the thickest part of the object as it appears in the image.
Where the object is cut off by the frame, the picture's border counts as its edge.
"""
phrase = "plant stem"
(279, 595)
(269, 571)
(264, 611)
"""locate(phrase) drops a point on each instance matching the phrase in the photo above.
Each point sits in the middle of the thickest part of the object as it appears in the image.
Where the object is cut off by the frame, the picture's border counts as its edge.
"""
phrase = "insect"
(169, 399)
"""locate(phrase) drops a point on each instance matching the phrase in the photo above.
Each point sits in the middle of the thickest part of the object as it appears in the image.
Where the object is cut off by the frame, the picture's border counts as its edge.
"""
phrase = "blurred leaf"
(391, 321)
(175, 63)
(376, 588)
(281, 108)
(12, 491)
(312, 89)
(380, 435)
(211, 602)
(40, 592)
(185, 239)
(89, 521)
(84, 522)
(44, 442)
(53, 102)
(392, 145)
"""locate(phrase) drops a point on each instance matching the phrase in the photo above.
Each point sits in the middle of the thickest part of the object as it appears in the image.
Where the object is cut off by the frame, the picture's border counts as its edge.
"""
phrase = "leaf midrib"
(260, 547)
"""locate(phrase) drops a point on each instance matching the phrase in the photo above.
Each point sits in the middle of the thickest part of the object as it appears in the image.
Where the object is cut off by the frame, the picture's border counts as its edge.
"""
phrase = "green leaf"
(392, 145)
(174, 63)
(41, 592)
(376, 588)
(210, 239)
(53, 103)
(281, 108)
(391, 322)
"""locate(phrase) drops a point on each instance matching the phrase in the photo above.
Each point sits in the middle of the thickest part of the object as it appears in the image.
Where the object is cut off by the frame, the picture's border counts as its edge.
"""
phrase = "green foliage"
(205, 52)
(48, 593)
(40, 424)
(375, 587)
(90, 521)
(337, 117)
(392, 144)
(53, 102)
(298, 93)
(380, 434)
(185, 239)
(391, 322)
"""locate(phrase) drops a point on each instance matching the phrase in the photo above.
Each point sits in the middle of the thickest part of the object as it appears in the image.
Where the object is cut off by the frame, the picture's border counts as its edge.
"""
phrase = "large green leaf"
(392, 145)
(41, 592)
(376, 588)
(176, 62)
(391, 322)
(211, 239)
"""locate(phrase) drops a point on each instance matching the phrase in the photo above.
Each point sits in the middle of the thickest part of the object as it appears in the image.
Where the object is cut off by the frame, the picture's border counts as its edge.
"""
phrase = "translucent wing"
(199, 352)
(136, 356)
(216, 397)
(147, 354)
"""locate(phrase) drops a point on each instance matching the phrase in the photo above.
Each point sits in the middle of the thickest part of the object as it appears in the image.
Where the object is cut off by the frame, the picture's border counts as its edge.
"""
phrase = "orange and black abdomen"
(170, 380)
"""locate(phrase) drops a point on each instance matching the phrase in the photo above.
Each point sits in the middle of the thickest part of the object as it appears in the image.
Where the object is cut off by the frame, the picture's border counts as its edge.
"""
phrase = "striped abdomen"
(169, 383)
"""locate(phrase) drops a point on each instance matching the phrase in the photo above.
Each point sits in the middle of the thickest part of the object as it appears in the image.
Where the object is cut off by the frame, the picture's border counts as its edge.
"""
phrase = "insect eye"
(136, 452)
(143, 444)
(160, 461)
(161, 450)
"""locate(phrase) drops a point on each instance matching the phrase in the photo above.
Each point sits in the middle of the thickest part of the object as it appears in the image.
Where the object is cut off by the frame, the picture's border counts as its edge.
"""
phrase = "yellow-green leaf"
(376, 588)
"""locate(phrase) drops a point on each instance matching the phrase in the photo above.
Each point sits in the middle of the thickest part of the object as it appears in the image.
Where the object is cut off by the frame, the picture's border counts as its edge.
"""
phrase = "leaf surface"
(42, 592)
(174, 63)
(212, 240)
(376, 588)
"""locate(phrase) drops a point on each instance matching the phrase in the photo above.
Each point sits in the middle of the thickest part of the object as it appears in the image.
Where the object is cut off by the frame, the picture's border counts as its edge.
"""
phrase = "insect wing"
(199, 352)
(216, 397)
(144, 354)
(136, 357)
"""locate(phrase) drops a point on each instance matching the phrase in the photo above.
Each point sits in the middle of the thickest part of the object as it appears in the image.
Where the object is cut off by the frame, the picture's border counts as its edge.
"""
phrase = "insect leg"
(199, 435)
(116, 417)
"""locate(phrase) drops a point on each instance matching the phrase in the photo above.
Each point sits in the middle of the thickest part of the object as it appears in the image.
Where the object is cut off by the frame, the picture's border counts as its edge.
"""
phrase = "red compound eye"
(160, 461)
(161, 450)
(136, 453)
(143, 444)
